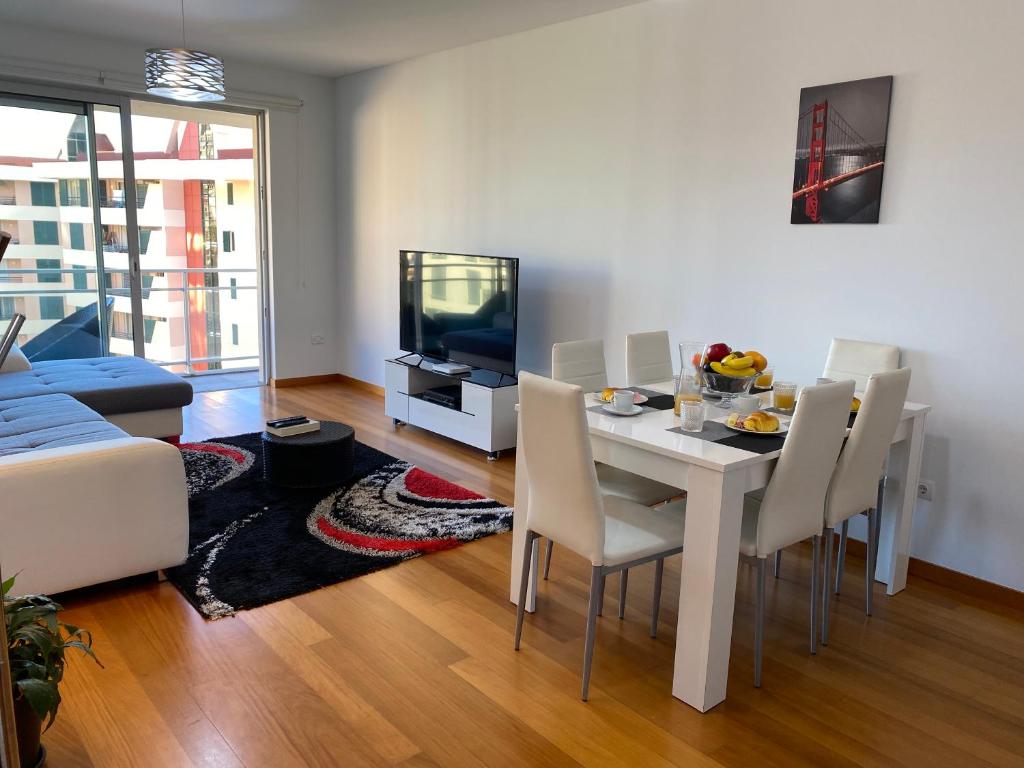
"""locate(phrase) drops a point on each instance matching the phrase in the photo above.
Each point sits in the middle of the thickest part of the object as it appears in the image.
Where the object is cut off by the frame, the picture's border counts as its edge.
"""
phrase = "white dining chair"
(567, 505)
(790, 508)
(583, 363)
(857, 360)
(648, 358)
(856, 488)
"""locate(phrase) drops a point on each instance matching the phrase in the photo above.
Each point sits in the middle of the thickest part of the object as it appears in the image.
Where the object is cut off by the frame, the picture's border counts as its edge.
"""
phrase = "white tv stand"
(486, 418)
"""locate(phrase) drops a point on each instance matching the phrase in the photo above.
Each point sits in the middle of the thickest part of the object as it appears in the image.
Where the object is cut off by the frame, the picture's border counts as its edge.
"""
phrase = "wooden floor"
(413, 666)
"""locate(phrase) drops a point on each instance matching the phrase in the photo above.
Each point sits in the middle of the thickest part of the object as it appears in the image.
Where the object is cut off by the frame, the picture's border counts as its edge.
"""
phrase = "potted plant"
(36, 644)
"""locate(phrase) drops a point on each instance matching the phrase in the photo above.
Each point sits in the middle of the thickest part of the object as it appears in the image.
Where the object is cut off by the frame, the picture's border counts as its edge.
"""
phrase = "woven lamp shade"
(184, 75)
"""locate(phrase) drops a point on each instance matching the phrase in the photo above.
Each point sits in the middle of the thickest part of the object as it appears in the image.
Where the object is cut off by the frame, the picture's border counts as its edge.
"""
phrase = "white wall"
(301, 181)
(639, 162)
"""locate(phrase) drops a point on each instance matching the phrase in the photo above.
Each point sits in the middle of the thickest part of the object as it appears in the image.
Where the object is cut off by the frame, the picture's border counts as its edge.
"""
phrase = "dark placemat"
(714, 431)
(753, 444)
(661, 402)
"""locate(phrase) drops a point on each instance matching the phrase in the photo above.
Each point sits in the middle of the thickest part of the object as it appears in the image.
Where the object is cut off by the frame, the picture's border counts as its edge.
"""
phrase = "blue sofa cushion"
(50, 421)
(108, 385)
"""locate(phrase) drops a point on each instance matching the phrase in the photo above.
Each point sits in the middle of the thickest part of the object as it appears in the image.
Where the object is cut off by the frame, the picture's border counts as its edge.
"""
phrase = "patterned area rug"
(253, 543)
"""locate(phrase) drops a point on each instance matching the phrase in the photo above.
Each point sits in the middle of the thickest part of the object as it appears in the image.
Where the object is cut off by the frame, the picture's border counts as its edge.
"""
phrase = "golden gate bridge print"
(831, 151)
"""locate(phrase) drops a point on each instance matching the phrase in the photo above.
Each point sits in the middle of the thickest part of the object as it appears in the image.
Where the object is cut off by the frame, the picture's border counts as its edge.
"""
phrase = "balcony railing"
(177, 290)
(8, 200)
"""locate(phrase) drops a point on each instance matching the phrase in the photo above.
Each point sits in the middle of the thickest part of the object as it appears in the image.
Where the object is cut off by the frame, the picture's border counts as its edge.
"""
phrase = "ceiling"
(327, 37)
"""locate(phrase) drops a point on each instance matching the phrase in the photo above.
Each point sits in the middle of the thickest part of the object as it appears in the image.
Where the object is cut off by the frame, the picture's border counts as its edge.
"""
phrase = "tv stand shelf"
(485, 420)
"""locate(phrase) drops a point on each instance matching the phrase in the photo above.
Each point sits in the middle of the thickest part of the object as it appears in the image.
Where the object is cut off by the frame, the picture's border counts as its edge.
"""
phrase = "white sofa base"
(84, 514)
(164, 422)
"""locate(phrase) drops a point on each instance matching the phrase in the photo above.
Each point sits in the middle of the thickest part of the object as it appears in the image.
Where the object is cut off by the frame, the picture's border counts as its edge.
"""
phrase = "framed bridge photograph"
(840, 152)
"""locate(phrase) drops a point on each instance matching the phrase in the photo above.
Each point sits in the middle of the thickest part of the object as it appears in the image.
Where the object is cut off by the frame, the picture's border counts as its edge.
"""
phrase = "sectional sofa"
(87, 494)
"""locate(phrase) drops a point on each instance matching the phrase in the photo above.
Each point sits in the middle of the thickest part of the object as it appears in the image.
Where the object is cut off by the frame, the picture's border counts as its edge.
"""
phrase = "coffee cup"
(747, 404)
(622, 401)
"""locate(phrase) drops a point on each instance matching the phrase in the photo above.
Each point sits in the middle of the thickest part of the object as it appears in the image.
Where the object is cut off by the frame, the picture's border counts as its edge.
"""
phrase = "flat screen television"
(459, 308)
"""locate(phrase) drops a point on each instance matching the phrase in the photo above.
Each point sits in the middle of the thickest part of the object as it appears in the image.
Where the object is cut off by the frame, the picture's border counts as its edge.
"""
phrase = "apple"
(717, 351)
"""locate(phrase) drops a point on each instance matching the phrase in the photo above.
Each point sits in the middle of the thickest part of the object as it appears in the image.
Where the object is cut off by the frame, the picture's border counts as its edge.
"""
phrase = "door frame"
(122, 101)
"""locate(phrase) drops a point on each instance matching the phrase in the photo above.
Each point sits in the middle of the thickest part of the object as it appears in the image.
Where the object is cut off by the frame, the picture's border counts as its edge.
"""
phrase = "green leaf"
(41, 696)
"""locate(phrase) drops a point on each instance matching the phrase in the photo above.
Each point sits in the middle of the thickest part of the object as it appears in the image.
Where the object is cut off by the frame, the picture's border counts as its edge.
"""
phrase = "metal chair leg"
(524, 584)
(762, 567)
(878, 513)
(841, 557)
(815, 557)
(778, 562)
(597, 576)
(869, 571)
(659, 572)
(623, 581)
(547, 559)
(826, 586)
(600, 596)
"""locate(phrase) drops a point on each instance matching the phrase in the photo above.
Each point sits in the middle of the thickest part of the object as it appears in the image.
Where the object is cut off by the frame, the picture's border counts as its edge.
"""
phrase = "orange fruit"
(760, 361)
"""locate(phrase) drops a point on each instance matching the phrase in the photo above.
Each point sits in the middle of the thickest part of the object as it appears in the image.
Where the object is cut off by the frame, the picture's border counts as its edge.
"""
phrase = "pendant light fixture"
(182, 74)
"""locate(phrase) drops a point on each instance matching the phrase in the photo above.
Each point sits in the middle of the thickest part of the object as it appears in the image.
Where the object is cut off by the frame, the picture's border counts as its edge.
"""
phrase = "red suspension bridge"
(834, 151)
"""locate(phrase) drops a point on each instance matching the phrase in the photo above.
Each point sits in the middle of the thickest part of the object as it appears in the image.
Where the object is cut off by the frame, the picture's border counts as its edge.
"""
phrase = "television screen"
(460, 308)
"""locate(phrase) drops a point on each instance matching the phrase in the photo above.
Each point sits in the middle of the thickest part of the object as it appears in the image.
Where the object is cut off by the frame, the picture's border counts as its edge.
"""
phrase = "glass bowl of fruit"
(728, 374)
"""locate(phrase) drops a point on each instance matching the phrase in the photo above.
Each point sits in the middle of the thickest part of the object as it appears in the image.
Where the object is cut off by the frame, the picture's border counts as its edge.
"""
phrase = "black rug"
(253, 543)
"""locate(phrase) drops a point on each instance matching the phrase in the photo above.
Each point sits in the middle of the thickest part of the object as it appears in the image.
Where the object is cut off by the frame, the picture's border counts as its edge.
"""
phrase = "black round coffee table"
(310, 460)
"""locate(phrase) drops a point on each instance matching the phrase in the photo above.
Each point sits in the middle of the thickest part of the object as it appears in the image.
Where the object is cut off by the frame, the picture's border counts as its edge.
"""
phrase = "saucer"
(609, 408)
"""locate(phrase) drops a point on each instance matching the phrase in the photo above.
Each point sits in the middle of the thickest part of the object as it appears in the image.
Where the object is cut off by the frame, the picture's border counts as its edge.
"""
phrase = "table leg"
(904, 472)
(707, 594)
(522, 500)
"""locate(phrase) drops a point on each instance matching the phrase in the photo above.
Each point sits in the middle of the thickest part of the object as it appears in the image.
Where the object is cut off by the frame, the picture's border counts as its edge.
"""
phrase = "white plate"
(615, 412)
(638, 399)
(783, 429)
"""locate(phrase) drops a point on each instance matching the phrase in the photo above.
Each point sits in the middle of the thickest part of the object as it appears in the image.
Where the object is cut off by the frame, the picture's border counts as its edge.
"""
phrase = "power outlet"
(926, 490)
(316, 338)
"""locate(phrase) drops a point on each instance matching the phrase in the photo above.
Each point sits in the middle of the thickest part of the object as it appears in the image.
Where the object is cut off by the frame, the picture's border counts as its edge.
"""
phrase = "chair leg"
(524, 584)
(778, 562)
(600, 596)
(762, 568)
(659, 572)
(869, 571)
(841, 557)
(878, 513)
(815, 558)
(826, 585)
(597, 577)
(623, 581)
(547, 559)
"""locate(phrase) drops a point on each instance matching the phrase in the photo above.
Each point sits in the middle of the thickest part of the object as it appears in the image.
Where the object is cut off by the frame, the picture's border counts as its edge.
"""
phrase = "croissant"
(759, 421)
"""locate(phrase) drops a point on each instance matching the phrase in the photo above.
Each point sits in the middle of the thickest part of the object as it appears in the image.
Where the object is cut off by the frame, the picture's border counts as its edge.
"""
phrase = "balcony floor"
(216, 382)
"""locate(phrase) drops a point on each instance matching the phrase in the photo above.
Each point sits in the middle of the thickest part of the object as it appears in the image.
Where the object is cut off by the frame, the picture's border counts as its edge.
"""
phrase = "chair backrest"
(854, 485)
(580, 363)
(849, 359)
(793, 503)
(648, 358)
(565, 501)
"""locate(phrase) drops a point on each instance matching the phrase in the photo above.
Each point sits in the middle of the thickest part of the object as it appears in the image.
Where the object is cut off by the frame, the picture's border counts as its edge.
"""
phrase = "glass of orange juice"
(784, 395)
(765, 379)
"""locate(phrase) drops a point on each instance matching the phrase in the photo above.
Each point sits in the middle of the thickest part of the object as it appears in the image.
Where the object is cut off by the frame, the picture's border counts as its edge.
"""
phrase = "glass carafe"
(691, 365)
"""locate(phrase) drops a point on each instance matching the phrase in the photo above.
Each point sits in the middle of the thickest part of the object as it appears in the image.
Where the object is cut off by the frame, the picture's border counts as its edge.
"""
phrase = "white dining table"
(715, 478)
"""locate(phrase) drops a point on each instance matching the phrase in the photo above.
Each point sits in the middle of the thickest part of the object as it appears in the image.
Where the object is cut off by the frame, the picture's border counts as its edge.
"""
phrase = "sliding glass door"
(55, 269)
(137, 231)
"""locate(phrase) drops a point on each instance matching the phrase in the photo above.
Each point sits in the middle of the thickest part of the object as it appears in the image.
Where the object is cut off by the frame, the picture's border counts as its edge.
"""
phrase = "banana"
(735, 373)
(740, 362)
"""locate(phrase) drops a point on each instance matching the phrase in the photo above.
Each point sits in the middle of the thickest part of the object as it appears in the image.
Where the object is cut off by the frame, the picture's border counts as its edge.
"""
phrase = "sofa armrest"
(84, 514)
